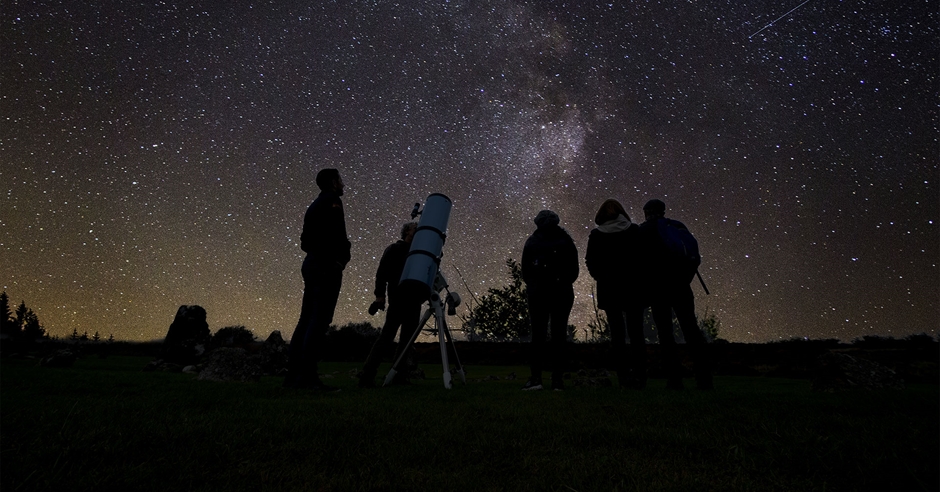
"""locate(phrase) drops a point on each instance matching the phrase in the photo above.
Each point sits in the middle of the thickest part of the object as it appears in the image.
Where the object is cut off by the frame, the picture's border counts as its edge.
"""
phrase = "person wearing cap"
(668, 292)
(402, 312)
(613, 250)
(549, 269)
(327, 246)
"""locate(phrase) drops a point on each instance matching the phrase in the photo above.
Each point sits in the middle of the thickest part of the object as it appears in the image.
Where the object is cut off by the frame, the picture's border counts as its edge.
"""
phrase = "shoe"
(558, 386)
(532, 384)
(674, 384)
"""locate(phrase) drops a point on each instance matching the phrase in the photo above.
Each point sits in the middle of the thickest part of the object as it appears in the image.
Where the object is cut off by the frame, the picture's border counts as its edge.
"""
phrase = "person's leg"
(538, 316)
(684, 305)
(672, 365)
(560, 311)
(379, 348)
(295, 351)
(326, 293)
(618, 343)
(411, 316)
(637, 355)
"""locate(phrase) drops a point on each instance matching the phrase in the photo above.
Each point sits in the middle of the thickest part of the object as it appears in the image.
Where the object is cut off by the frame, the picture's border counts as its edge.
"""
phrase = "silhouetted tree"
(96, 337)
(74, 337)
(710, 325)
(7, 326)
(19, 319)
(32, 329)
(502, 314)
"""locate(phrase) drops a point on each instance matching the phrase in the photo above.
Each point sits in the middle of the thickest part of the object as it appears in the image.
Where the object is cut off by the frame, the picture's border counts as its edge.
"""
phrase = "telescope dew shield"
(424, 257)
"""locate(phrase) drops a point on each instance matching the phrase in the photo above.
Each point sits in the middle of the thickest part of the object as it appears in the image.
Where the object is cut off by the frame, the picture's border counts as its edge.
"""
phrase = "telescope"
(424, 258)
(421, 280)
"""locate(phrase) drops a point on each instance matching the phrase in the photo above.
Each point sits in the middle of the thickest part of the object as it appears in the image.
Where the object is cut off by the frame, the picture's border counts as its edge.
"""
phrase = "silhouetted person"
(613, 252)
(549, 269)
(328, 251)
(668, 280)
(402, 312)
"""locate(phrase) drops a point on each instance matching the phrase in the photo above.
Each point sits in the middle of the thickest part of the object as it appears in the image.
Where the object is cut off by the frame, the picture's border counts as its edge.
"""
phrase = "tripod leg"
(441, 330)
(450, 340)
(414, 336)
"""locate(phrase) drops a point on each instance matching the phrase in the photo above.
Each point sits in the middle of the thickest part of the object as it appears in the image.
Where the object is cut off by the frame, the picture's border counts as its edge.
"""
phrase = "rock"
(187, 337)
(59, 358)
(229, 364)
(272, 355)
(837, 371)
(163, 366)
(594, 382)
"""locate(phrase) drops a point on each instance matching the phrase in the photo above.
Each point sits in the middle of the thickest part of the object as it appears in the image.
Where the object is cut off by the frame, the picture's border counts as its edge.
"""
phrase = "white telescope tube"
(424, 258)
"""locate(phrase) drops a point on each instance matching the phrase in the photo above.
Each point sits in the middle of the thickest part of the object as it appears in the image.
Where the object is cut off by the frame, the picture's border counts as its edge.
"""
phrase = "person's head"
(408, 231)
(610, 210)
(329, 180)
(654, 209)
(546, 218)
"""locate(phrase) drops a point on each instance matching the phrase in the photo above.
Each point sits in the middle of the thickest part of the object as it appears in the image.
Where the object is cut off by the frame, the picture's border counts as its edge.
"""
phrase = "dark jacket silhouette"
(324, 236)
(328, 251)
(667, 282)
(390, 267)
(549, 268)
(612, 258)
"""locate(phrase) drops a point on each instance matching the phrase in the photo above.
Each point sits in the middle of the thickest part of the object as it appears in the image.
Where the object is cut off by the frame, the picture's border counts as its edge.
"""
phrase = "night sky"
(154, 154)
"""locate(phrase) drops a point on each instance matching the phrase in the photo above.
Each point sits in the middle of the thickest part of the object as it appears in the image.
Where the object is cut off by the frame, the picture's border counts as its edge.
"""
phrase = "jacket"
(324, 236)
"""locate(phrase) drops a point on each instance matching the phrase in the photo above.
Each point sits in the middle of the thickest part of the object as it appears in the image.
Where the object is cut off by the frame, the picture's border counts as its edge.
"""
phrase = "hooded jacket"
(613, 250)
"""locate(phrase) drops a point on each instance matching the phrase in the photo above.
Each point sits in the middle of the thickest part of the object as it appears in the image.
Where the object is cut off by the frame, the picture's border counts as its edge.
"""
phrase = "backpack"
(680, 244)
(546, 263)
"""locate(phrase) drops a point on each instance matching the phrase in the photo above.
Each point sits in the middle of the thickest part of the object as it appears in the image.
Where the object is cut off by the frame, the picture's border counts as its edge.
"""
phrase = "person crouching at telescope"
(549, 269)
(402, 312)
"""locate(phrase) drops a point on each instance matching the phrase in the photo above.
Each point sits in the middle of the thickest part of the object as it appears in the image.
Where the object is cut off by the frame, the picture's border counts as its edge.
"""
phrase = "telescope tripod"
(436, 309)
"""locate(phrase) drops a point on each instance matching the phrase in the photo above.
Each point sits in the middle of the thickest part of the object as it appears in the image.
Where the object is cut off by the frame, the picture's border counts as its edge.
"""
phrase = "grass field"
(105, 425)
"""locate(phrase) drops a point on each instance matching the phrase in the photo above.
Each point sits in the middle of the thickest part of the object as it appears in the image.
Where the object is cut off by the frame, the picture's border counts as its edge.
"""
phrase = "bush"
(502, 314)
(231, 336)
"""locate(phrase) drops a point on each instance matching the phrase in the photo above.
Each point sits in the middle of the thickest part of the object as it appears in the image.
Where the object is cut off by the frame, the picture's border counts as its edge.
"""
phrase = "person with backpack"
(671, 258)
(549, 269)
(613, 249)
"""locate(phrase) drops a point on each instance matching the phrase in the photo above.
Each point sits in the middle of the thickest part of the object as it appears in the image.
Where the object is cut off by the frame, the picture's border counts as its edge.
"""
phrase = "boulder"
(59, 358)
(272, 355)
(161, 365)
(187, 337)
(836, 372)
(229, 364)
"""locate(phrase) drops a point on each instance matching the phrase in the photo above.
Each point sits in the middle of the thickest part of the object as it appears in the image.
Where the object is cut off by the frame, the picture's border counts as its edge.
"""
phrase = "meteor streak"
(777, 19)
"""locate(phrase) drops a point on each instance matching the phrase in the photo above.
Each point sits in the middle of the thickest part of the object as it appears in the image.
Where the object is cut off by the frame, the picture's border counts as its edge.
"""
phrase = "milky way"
(157, 153)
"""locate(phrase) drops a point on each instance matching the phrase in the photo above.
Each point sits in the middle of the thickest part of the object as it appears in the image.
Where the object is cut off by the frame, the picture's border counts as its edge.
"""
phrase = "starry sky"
(161, 153)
